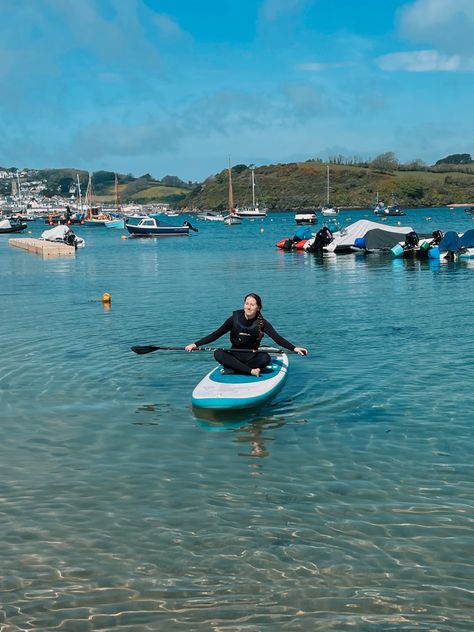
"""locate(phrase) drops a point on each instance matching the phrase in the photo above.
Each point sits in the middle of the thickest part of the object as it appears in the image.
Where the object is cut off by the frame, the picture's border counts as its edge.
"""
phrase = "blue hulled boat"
(152, 227)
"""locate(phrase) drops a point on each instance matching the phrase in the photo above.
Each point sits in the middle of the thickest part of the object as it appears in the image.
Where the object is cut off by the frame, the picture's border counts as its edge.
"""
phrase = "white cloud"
(420, 61)
(168, 27)
(272, 10)
(311, 67)
(447, 25)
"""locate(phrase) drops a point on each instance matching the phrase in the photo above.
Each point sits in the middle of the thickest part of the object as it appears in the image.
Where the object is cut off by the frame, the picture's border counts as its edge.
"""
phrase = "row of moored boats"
(368, 237)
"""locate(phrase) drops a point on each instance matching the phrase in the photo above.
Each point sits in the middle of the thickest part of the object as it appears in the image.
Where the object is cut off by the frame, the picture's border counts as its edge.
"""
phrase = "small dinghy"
(225, 390)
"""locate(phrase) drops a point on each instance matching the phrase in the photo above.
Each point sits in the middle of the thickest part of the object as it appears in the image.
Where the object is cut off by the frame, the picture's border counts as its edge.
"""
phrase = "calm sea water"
(345, 504)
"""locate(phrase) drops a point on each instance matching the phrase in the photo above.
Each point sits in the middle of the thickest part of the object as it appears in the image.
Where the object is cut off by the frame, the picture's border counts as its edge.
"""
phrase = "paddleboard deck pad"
(233, 391)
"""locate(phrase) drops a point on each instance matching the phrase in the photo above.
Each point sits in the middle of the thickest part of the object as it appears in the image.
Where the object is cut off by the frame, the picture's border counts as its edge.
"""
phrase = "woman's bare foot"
(255, 372)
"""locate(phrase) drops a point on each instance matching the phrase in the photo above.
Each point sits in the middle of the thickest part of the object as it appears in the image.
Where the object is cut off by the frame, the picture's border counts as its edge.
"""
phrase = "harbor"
(125, 507)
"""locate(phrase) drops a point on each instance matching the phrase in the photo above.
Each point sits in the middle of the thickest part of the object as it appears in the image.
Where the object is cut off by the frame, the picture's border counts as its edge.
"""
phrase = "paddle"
(151, 348)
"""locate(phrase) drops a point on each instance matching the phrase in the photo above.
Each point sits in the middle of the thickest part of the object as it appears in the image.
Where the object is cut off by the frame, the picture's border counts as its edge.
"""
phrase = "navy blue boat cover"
(467, 240)
(450, 242)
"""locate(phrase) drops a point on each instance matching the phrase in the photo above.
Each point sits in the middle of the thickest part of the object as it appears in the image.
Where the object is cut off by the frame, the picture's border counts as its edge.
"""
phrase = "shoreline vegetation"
(295, 186)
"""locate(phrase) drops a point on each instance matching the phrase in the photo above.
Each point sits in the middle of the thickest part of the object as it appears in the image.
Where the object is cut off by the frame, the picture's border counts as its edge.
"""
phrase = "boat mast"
(327, 185)
(231, 195)
(19, 189)
(79, 192)
(253, 186)
(89, 197)
(117, 195)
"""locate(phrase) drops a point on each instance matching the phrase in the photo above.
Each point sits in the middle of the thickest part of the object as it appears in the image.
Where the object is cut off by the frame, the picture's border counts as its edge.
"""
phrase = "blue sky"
(175, 87)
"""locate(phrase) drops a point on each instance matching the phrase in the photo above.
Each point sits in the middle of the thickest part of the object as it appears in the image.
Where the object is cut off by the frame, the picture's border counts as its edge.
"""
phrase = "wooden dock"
(46, 249)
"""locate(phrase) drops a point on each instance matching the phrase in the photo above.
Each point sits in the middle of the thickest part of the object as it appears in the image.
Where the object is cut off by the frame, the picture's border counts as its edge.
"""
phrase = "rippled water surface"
(345, 504)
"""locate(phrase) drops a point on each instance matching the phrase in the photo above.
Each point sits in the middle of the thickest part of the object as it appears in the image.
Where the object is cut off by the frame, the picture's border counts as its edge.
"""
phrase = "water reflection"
(248, 428)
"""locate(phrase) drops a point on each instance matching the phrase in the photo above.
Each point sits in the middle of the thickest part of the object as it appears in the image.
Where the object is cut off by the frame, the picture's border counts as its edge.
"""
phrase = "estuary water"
(347, 503)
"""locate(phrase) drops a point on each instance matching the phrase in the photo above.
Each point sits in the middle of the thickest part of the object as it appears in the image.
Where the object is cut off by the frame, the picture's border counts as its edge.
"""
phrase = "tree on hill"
(173, 181)
(385, 162)
(455, 159)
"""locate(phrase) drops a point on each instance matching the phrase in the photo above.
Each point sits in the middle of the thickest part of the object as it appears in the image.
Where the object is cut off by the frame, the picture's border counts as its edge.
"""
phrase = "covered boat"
(290, 243)
(152, 227)
(353, 237)
(63, 234)
(453, 246)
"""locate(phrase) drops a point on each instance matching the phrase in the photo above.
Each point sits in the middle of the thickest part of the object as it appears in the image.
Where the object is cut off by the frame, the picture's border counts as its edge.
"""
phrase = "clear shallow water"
(345, 504)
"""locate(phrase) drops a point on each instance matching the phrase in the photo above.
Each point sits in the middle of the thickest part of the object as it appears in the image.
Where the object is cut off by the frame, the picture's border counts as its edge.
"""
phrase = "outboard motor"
(288, 244)
(411, 240)
(437, 237)
(323, 238)
(190, 226)
(70, 239)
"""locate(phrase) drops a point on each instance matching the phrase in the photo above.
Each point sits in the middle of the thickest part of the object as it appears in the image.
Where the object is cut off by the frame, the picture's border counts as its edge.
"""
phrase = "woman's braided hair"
(258, 300)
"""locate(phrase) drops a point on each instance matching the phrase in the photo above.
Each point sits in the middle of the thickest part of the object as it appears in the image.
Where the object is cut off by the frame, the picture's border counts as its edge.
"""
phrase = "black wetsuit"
(244, 334)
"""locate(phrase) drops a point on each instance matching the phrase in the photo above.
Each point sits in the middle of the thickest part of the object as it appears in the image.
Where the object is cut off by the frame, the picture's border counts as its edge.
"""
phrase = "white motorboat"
(211, 216)
(306, 218)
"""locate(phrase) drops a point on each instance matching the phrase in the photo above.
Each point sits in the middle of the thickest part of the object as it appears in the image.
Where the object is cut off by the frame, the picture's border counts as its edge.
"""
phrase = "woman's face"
(250, 307)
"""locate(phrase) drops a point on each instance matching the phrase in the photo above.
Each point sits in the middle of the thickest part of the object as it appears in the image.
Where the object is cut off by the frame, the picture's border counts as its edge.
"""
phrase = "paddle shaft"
(151, 348)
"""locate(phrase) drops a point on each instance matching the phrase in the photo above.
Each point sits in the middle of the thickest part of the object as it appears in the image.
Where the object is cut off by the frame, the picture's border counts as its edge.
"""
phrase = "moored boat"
(11, 226)
(63, 234)
(306, 218)
(152, 227)
(211, 216)
(254, 211)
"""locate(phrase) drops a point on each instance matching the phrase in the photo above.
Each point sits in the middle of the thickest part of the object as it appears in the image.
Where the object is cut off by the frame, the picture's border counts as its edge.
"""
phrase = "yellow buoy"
(106, 298)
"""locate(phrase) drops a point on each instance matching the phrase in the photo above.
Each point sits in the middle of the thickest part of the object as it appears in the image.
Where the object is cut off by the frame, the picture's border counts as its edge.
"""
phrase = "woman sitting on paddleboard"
(247, 327)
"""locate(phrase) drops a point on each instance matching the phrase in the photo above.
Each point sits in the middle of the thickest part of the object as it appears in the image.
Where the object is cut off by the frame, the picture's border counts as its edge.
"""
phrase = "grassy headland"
(301, 185)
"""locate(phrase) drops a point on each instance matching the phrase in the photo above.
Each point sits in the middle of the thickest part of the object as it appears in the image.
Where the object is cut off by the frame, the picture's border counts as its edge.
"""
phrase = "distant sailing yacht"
(247, 212)
(328, 211)
(116, 220)
(232, 217)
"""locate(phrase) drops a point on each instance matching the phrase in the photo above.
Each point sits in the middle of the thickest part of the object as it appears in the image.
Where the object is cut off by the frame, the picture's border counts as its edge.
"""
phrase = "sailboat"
(328, 211)
(249, 212)
(95, 217)
(117, 220)
(232, 217)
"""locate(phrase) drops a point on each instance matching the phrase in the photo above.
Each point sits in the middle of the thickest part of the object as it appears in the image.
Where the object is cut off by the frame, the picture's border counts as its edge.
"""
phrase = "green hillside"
(289, 186)
(144, 189)
(303, 185)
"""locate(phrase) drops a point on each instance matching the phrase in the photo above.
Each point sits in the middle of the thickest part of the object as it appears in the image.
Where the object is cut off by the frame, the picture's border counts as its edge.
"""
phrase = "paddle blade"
(145, 349)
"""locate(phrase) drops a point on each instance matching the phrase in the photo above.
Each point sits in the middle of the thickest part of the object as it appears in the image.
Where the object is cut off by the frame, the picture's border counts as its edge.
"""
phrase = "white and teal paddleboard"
(233, 391)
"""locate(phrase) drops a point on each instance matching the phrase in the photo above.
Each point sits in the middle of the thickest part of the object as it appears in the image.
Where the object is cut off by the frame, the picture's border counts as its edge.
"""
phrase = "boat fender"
(359, 242)
(397, 250)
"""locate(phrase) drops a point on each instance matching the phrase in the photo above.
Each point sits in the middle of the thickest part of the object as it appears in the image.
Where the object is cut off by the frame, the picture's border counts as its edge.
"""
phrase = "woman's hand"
(190, 347)
(301, 351)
